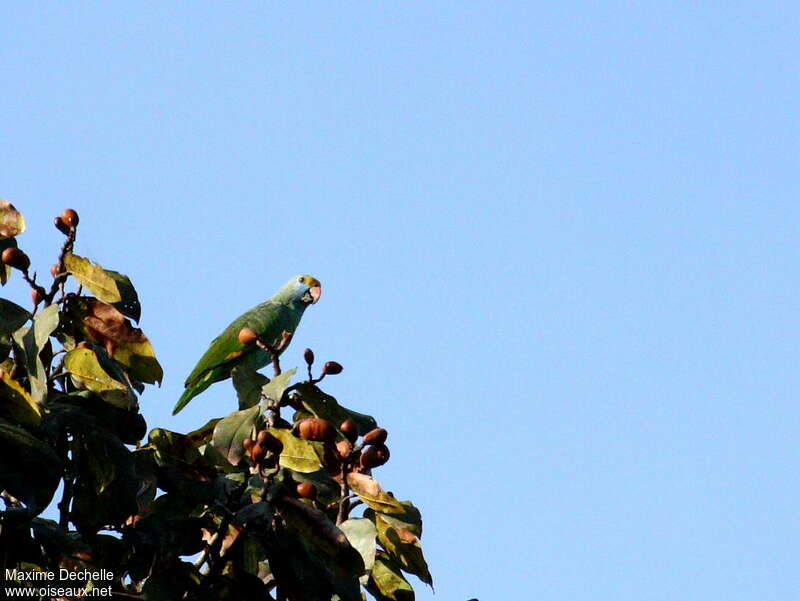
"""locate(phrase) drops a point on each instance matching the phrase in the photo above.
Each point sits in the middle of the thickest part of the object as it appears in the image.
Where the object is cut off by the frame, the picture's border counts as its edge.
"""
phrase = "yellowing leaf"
(107, 285)
(104, 324)
(93, 277)
(84, 366)
(19, 403)
(298, 454)
(370, 491)
(12, 223)
(386, 582)
(403, 545)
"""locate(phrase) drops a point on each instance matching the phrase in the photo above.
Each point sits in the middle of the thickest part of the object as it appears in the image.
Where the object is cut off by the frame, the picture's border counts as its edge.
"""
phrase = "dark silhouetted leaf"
(29, 469)
(12, 316)
(322, 538)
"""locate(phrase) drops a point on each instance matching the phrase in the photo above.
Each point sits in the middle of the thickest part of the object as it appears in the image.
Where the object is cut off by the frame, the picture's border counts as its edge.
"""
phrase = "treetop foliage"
(275, 500)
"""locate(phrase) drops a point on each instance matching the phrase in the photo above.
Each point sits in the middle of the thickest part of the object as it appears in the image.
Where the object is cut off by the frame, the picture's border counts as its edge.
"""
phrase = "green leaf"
(404, 547)
(386, 582)
(232, 430)
(18, 403)
(87, 373)
(298, 454)
(325, 406)
(12, 316)
(29, 469)
(370, 491)
(32, 341)
(248, 384)
(361, 533)
(275, 388)
(12, 223)
(108, 286)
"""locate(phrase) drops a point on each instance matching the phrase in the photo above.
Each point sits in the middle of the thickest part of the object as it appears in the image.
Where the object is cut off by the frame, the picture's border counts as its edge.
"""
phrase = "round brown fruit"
(70, 217)
(54, 270)
(257, 452)
(61, 226)
(350, 429)
(308, 355)
(36, 296)
(247, 336)
(376, 436)
(247, 443)
(374, 456)
(14, 257)
(331, 368)
(307, 490)
(315, 428)
(270, 442)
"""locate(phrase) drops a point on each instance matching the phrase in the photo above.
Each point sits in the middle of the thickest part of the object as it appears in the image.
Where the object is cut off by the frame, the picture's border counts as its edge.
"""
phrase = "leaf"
(248, 383)
(232, 430)
(361, 533)
(370, 491)
(386, 582)
(19, 403)
(87, 373)
(275, 388)
(203, 434)
(404, 547)
(29, 469)
(173, 444)
(410, 519)
(32, 341)
(108, 286)
(12, 316)
(325, 406)
(321, 537)
(12, 223)
(105, 325)
(298, 454)
(106, 483)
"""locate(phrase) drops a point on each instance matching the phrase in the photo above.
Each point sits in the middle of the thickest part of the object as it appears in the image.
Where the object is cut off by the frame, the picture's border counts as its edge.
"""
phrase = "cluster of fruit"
(16, 258)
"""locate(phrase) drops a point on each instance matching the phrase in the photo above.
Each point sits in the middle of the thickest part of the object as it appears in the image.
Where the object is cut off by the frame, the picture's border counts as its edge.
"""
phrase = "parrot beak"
(315, 292)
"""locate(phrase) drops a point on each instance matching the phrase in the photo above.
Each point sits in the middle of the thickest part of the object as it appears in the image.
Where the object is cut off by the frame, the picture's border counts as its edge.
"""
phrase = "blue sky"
(557, 241)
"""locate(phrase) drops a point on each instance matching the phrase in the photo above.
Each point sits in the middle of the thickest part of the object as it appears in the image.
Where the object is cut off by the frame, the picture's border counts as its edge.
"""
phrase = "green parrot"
(270, 320)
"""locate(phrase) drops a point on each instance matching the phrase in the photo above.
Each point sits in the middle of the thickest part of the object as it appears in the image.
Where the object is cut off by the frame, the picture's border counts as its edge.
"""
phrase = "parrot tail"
(193, 390)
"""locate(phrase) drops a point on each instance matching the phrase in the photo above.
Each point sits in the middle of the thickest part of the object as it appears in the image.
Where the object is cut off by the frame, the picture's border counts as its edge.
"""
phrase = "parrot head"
(302, 288)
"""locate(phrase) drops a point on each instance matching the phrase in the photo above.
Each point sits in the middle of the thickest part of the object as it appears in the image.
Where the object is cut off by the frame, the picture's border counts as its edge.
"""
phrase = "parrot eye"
(302, 280)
